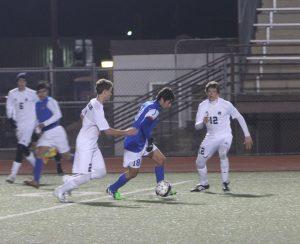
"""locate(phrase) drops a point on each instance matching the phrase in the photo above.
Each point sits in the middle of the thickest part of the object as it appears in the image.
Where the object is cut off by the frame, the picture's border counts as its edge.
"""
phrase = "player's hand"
(205, 120)
(131, 131)
(41, 126)
(248, 142)
(12, 123)
(149, 147)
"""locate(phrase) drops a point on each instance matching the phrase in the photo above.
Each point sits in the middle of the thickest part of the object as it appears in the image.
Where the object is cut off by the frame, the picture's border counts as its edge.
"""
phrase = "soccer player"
(88, 162)
(53, 135)
(215, 113)
(135, 147)
(20, 110)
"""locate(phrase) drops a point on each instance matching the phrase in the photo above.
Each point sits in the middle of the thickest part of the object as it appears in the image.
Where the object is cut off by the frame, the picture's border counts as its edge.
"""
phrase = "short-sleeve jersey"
(93, 122)
(20, 105)
(148, 111)
(218, 113)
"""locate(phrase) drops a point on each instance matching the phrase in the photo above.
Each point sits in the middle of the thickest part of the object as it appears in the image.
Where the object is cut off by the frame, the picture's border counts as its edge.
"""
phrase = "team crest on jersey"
(219, 113)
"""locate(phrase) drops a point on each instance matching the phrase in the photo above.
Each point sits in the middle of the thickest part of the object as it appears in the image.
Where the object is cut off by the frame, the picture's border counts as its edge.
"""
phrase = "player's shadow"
(168, 201)
(244, 195)
(107, 205)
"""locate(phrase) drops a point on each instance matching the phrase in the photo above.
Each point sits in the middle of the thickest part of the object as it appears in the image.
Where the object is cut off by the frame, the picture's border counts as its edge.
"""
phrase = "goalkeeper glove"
(12, 123)
(149, 147)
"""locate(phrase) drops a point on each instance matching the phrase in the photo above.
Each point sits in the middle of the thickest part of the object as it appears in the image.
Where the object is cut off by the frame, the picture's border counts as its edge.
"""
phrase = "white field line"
(64, 205)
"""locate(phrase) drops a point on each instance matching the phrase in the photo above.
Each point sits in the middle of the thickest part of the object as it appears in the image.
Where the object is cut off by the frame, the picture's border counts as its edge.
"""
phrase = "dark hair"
(42, 85)
(212, 84)
(21, 76)
(102, 85)
(166, 93)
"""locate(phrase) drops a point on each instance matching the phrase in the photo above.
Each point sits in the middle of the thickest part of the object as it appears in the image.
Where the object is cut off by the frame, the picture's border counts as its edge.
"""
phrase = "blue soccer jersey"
(144, 121)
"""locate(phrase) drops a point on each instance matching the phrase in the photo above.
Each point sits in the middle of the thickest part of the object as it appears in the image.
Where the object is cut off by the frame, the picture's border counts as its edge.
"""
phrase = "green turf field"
(261, 208)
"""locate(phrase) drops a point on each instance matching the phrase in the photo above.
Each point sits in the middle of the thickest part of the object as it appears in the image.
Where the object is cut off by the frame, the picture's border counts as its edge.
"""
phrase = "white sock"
(225, 170)
(203, 176)
(75, 181)
(31, 159)
(15, 168)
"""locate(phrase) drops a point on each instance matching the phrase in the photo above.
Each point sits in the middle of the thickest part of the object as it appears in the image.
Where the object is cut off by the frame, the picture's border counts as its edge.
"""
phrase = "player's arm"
(56, 113)
(10, 110)
(235, 114)
(201, 118)
(117, 132)
(148, 124)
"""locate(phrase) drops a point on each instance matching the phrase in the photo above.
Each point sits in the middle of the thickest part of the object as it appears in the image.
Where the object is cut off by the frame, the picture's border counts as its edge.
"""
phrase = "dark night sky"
(149, 19)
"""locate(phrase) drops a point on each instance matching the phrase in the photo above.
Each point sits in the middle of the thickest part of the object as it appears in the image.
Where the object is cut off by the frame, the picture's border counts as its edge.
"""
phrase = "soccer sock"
(15, 168)
(203, 176)
(75, 181)
(119, 183)
(38, 169)
(159, 173)
(31, 159)
(225, 170)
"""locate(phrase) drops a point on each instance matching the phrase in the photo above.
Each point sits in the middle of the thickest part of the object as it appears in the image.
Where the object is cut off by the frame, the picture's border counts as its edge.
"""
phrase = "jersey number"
(213, 120)
(21, 105)
(136, 163)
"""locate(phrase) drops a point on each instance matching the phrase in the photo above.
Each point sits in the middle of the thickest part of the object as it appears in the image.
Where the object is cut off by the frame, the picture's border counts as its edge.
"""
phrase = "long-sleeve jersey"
(219, 113)
(48, 113)
(145, 121)
(93, 122)
(20, 106)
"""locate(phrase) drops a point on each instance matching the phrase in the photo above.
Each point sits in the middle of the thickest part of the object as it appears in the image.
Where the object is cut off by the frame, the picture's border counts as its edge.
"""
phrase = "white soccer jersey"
(20, 106)
(93, 122)
(218, 113)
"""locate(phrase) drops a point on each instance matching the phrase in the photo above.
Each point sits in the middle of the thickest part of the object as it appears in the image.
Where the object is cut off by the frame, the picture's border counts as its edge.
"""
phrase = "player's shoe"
(60, 195)
(200, 188)
(11, 179)
(65, 180)
(172, 193)
(226, 186)
(116, 195)
(32, 183)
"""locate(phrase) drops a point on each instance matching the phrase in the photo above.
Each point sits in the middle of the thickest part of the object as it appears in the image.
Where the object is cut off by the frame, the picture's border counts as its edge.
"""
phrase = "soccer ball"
(163, 188)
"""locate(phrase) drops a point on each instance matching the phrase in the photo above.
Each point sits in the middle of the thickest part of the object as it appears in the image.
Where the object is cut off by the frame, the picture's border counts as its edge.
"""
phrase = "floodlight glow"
(107, 64)
(129, 33)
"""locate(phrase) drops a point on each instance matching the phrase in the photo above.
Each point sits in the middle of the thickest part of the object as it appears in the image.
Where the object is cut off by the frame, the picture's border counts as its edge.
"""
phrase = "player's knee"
(98, 173)
(201, 162)
(161, 160)
(223, 155)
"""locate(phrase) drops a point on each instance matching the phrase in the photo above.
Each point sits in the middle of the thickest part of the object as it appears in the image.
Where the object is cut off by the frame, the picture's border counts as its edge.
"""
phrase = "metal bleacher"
(274, 63)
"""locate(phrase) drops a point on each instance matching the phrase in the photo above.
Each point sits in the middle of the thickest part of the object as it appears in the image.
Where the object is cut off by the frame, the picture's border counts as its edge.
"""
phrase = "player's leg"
(57, 159)
(224, 162)
(157, 156)
(40, 153)
(132, 161)
(82, 173)
(24, 138)
(206, 150)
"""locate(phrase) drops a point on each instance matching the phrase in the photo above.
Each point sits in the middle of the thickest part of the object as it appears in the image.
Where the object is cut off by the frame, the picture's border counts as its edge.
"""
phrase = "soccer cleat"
(60, 195)
(11, 179)
(226, 186)
(200, 188)
(172, 192)
(32, 183)
(116, 195)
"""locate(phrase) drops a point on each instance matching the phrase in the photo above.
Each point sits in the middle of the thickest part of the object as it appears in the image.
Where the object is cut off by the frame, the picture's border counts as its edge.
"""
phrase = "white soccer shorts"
(133, 159)
(55, 137)
(24, 134)
(88, 160)
(212, 144)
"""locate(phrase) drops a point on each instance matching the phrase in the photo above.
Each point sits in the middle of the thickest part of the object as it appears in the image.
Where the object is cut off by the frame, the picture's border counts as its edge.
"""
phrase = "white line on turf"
(64, 205)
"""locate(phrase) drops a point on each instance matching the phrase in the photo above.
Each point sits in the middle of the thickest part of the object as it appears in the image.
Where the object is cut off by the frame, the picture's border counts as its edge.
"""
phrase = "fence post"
(52, 78)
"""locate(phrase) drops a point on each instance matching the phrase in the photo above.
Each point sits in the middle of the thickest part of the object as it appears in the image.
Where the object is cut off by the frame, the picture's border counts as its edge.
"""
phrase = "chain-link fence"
(273, 133)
